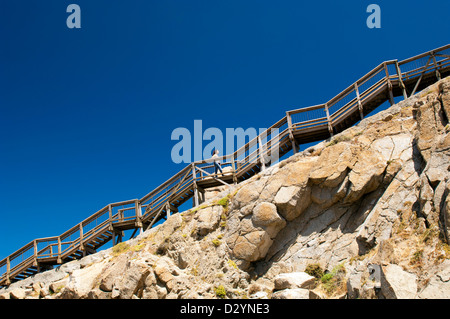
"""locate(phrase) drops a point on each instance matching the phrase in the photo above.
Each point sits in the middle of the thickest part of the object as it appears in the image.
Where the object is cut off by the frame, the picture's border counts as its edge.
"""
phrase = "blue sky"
(86, 114)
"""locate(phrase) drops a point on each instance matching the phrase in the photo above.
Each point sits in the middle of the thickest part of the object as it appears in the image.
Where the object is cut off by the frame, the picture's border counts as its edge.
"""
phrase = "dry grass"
(120, 248)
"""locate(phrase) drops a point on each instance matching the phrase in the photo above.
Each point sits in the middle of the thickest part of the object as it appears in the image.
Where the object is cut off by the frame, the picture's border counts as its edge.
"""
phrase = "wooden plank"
(219, 180)
(329, 123)
(399, 75)
(305, 109)
(295, 147)
(358, 98)
(195, 187)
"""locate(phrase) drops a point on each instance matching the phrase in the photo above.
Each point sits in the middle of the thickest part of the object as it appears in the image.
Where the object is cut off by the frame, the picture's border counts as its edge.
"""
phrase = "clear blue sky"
(86, 114)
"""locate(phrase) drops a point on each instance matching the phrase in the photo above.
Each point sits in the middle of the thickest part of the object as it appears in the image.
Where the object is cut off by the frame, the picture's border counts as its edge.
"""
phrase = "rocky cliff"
(362, 215)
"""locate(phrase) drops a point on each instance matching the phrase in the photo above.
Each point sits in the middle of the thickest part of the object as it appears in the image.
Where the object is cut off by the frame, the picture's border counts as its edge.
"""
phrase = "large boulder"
(294, 280)
(133, 283)
(397, 283)
(252, 246)
(292, 201)
(208, 219)
(296, 293)
(265, 215)
(333, 164)
(82, 281)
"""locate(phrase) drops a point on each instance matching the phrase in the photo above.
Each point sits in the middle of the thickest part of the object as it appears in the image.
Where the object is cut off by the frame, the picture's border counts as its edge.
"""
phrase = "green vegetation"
(194, 210)
(216, 242)
(334, 281)
(232, 264)
(314, 270)
(220, 291)
(120, 249)
(224, 202)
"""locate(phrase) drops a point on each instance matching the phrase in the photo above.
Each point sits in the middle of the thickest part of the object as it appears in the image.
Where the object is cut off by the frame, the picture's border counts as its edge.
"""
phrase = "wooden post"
(360, 107)
(330, 124)
(35, 263)
(438, 74)
(391, 95)
(8, 270)
(201, 199)
(59, 260)
(295, 147)
(194, 179)
(110, 217)
(119, 237)
(399, 74)
(261, 154)
(138, 210)
(174, 209)
(168, 209)
(233, 166)
(81, 237)
(121, 215)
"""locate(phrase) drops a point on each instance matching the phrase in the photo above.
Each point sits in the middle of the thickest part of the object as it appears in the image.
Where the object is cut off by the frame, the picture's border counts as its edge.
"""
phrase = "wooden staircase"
(300, 126)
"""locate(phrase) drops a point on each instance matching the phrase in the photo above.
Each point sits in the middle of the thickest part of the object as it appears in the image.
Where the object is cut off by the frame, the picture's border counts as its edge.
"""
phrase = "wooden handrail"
(417, 57)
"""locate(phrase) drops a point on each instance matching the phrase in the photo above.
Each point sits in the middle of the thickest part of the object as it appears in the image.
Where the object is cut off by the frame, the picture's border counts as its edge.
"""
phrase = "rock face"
(365, 214)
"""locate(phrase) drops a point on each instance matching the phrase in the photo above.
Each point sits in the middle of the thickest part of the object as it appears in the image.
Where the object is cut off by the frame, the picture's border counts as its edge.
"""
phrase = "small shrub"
(223, 202)
(428, 234)
(416, 259)
(138, 247)
(220, 291)
(334, 281)
(232, 264)
(216, 242)
(314, 270)
(326, 278)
